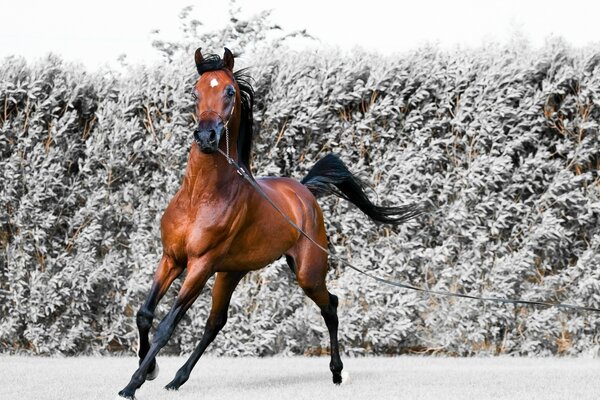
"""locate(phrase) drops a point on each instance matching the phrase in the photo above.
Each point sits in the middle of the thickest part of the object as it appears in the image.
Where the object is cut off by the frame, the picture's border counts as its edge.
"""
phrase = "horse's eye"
(230, 91)
(194, 95)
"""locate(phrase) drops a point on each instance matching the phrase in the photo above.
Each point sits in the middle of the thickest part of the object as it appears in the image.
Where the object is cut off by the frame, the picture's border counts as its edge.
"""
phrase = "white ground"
(278, 378)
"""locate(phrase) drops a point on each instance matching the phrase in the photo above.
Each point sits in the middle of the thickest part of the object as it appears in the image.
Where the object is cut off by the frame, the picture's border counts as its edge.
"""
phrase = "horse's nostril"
(212, 135)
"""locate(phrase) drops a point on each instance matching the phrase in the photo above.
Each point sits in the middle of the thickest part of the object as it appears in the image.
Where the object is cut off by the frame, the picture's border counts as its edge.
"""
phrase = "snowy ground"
(306, 378)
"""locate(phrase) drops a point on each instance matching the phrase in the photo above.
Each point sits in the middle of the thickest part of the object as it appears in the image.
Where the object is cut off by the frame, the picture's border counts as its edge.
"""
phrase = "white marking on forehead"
(214, 82)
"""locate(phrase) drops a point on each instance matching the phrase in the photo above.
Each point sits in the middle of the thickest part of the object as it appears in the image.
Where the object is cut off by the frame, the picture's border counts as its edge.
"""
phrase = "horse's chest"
(188, 234)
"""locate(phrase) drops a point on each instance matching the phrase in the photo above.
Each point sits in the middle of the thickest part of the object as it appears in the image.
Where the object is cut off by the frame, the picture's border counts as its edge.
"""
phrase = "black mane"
(213, 62)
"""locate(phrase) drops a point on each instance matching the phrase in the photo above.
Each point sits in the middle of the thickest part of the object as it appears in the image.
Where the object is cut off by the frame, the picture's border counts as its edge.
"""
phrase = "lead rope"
(255, 185)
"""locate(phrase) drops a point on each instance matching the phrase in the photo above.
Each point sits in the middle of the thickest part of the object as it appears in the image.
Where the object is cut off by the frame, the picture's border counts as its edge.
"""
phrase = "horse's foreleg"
(195, 280)
(165, 274)
(225, 284)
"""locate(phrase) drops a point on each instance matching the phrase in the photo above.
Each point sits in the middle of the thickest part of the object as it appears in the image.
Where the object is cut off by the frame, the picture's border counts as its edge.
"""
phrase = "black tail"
(331, 176)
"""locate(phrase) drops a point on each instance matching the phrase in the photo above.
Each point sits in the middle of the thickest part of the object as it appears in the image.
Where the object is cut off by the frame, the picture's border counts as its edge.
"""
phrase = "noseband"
(225, 125)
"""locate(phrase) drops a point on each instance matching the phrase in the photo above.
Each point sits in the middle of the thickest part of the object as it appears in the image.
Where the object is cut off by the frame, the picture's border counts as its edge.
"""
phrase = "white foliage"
(503, 143)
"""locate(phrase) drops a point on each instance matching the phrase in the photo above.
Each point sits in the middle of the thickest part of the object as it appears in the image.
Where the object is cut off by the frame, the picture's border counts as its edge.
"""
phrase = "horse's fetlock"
(336, 366)
(144, 318)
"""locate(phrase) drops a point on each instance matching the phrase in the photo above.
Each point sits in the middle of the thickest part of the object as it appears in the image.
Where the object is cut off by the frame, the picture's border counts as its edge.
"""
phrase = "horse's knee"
(144, 319)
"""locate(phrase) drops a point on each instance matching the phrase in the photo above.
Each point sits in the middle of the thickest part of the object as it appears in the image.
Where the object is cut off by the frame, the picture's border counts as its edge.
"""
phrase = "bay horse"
(217, 223)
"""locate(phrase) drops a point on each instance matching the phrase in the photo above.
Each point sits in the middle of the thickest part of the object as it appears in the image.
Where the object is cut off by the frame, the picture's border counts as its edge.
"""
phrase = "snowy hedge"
(503, 143)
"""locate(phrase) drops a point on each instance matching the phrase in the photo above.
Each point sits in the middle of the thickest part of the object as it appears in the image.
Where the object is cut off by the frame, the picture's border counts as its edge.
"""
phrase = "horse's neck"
(208, 176)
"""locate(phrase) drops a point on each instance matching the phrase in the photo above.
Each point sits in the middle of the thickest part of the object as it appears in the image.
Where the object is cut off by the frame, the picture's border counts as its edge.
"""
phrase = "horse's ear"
(228, 59)
(198, 58)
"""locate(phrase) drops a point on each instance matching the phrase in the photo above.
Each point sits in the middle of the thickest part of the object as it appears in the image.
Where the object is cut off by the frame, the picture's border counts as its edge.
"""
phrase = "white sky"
(97, 32)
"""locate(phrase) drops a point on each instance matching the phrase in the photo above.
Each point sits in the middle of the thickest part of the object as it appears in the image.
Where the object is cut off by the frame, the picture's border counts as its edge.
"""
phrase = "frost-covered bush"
(502, 144)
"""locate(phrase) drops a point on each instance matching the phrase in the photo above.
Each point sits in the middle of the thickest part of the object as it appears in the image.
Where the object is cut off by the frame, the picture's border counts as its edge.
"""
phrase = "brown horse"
(217, 223)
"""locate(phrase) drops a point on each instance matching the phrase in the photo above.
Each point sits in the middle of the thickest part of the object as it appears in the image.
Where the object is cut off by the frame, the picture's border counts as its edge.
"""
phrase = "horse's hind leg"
(165, 274)
(225, 284)
(311, 270)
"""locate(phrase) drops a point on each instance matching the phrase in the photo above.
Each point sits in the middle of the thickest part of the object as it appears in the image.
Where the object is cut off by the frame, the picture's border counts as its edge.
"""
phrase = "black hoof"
(180, 379)
(151, 375)
(126, 395)
(337, 379)
(176, 383)
(173, 386)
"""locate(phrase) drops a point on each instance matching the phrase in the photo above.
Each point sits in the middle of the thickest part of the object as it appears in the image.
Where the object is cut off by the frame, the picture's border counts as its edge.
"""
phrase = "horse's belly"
(258, 245)
(249, 261)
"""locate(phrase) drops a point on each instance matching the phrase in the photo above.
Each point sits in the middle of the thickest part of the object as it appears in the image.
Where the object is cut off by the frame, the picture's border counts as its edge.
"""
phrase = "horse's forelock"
(212, 62)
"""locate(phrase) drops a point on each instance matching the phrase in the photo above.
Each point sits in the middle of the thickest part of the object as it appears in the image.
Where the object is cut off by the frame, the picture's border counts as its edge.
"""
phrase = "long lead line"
(256, 187)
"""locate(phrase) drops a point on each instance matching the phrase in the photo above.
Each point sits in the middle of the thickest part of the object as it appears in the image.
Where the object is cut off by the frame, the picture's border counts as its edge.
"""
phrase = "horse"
(219, 224)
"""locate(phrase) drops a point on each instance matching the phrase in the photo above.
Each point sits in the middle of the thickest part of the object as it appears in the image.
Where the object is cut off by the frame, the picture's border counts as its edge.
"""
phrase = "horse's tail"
(331, 176)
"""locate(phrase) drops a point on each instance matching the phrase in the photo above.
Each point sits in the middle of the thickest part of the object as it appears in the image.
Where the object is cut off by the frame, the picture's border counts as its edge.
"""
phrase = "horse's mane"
(213, 62)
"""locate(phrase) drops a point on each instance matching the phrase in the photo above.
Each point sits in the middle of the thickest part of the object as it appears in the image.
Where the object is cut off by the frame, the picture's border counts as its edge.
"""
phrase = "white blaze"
(214, 82)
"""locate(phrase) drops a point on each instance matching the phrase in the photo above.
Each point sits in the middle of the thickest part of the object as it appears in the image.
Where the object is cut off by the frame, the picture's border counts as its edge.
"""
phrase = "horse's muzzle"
(207, 136)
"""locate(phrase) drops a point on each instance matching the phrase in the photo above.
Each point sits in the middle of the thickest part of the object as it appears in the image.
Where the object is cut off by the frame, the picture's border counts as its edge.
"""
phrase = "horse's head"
(217, 94)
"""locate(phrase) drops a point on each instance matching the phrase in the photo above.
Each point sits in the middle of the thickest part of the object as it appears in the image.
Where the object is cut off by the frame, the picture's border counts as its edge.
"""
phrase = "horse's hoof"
(337, 378)
(176, 383)
(123, 395)
(150, 376)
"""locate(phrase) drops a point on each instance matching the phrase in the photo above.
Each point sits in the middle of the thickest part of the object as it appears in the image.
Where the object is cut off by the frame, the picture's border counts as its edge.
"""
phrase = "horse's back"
(267, 232)
(289, 193)
(299, 204)
(287, 186)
